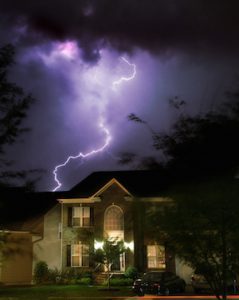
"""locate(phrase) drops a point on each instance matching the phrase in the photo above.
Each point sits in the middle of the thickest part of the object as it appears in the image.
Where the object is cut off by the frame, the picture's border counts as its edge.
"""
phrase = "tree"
(111, 249)
(201, 144)
(14, 104)
(201, 226)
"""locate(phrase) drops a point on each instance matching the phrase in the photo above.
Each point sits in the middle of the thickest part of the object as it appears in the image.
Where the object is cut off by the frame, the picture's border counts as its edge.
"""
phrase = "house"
(105, 204)
(21, 224)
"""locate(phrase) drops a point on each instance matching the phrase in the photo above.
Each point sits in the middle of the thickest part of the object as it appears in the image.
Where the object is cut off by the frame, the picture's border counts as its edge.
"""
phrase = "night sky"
(69, 53)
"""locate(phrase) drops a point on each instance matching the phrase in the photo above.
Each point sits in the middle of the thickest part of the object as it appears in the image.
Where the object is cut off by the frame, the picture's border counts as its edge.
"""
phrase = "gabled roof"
(137, 183)
(108, 184)
(17, 206)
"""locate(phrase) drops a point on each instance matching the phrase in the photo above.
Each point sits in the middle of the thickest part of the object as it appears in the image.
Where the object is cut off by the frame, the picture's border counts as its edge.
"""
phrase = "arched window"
(114, 219)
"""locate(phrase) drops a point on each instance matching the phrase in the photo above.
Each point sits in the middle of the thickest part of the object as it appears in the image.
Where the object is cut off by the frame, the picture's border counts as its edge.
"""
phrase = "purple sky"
(69, 54)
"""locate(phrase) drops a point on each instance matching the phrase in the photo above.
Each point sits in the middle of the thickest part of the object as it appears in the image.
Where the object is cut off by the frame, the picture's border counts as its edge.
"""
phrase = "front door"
(114, 229)
(119, 264)
(116, 264)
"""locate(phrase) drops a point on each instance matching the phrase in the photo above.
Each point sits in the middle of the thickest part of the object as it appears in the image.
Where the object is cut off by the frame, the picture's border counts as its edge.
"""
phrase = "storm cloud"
(69, 53)
(157, 26)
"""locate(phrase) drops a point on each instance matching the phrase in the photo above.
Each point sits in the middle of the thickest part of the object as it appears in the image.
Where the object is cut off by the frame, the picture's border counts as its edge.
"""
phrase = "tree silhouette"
(201, 223)
(14, 104)
(201, 144)
(201, 226)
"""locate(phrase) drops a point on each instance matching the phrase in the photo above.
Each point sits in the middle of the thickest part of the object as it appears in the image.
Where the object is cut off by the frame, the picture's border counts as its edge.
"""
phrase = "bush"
(131, 272)
(41, 272)
(119, 282)
(84, 281)
(54, 276)
(74, 276)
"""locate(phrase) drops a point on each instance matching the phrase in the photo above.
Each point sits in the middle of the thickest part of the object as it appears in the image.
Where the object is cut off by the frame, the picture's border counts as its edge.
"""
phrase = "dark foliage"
(14, 105)
(201, 144)
(201, 225)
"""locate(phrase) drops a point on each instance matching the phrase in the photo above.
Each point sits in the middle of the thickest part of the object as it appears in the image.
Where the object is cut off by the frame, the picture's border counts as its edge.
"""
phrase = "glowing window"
(80, 255)
(156, 257)
(114, 219)
(81, 216)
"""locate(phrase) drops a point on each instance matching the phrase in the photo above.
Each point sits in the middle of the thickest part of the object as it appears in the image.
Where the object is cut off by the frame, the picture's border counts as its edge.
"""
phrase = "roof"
(17, 205)
(137, 183)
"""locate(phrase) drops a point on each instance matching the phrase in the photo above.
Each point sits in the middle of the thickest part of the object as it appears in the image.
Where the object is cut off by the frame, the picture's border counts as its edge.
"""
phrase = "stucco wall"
(48, 248)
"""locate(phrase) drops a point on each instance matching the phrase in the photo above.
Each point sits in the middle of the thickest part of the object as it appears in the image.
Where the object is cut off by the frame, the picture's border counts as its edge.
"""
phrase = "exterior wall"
(143, 236)
(135, 235)
(48, 247)
(73, 235)
(134, 211)
(16, 267)
(115, 195)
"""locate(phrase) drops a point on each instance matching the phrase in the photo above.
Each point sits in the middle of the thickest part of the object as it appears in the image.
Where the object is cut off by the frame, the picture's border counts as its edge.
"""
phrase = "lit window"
(80, 255)
(81, 216)
(156, 257)
(114, 219)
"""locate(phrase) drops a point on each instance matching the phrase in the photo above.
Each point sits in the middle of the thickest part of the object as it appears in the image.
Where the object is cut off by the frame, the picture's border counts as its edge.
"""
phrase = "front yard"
(52, 292)
(75, 292)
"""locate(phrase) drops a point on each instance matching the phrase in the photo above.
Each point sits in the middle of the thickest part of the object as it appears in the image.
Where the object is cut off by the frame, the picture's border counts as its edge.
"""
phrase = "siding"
(48, 248)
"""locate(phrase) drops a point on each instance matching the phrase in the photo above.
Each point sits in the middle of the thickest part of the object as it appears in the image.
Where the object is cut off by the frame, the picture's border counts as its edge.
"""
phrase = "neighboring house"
(105, 204)
(21, 225)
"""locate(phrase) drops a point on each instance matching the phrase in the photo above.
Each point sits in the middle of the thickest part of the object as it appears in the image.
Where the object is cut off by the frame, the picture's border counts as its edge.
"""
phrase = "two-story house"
(104, 205)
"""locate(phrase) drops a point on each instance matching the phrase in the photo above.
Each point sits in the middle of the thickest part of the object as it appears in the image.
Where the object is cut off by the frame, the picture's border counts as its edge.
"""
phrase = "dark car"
(159, 283)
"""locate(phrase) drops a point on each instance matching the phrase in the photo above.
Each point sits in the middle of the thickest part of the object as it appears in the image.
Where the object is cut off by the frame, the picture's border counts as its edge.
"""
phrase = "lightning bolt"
(102, 126)
(123, 78)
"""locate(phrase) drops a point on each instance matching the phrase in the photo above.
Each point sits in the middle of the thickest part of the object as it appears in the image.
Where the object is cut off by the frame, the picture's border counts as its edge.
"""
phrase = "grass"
(74, 292)
(52, 292)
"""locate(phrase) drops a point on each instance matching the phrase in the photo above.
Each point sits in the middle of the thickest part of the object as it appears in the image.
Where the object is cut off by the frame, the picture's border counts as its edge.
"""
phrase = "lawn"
(74, 292)
(54, 292)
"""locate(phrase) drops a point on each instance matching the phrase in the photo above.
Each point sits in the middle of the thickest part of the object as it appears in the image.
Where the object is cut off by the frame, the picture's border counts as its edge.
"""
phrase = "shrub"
(41, 272)
(84, 281)
(131, 272)
(54, 276)
(119, 282)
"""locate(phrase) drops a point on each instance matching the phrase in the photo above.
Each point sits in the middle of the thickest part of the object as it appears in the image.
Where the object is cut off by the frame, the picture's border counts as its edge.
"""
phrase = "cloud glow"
(95, 75)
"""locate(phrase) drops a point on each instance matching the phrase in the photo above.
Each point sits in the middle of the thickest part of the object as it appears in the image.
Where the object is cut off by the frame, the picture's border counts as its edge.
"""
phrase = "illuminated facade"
(104, 205)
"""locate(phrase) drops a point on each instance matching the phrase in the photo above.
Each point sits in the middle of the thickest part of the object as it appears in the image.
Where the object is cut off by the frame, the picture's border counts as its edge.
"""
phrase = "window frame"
(113, 227)
(84, 213)
(82, 252)
(157, 261)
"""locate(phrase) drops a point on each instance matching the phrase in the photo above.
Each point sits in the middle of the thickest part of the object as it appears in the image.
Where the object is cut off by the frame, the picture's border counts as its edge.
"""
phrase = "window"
(81, 216)
(156, 257)
(114, 219)
(80, 255)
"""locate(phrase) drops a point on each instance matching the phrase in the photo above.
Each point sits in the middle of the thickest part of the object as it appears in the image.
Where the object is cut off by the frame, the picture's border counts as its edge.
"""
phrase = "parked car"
(159, 283)
(200, 284)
